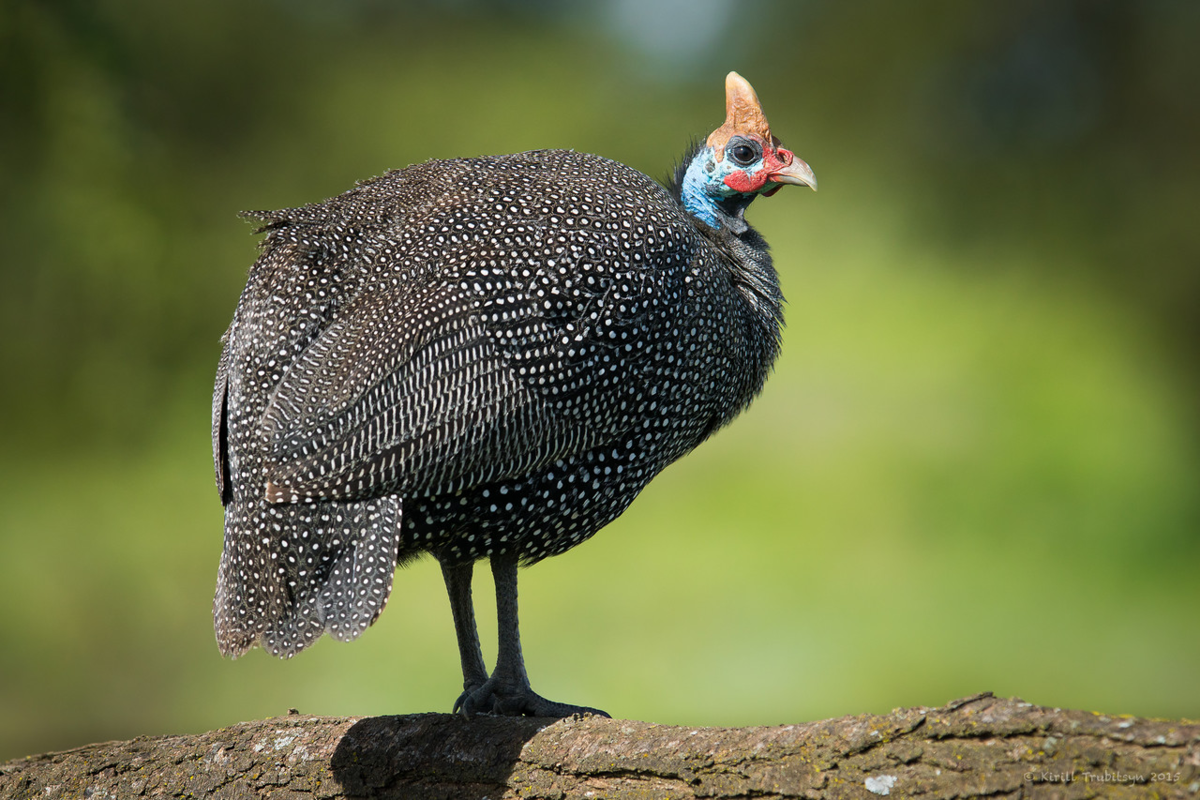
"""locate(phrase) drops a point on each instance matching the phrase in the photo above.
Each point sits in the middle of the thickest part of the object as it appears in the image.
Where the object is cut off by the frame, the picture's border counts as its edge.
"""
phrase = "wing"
(508, 346)
(426, 389)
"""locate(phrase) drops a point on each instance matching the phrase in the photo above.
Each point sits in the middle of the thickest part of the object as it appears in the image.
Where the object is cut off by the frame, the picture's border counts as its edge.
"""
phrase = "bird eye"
(743, 153)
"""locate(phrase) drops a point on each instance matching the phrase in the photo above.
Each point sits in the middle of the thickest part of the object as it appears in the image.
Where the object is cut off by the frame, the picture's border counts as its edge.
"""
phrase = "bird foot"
(476, 707)
(514, 700)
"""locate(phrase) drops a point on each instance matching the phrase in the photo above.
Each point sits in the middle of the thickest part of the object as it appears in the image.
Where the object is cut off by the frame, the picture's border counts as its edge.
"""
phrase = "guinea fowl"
(480, 358)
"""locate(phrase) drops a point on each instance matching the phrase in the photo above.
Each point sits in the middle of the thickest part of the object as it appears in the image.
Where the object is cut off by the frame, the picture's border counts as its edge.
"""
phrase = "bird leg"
(508, 691)
(458, 586)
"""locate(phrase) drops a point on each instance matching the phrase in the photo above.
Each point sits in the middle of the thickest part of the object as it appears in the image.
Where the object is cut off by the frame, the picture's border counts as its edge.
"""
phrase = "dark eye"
(743, 154)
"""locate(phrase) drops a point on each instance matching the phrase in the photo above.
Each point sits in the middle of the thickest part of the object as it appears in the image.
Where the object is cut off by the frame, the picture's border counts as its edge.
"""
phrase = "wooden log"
(980, 746)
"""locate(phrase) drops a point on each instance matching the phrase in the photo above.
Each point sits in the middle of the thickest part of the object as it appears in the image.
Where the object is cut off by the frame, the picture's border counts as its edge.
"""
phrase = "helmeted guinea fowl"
(480, 358)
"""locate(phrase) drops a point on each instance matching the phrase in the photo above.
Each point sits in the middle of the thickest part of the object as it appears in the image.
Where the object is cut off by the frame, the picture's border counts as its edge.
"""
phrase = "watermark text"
(1103, 776)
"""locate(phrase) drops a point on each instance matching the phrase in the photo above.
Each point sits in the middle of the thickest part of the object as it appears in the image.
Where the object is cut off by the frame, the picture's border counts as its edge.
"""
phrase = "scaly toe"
(508, 700)
(525, 702)
(477, 699)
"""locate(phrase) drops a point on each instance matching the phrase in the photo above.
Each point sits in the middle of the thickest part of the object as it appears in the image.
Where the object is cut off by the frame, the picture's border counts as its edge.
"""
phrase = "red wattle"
(741, 182)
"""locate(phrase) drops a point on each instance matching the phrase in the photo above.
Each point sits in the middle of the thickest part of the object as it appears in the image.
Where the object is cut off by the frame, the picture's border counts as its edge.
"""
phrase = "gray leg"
(458, 586)
(508, 691)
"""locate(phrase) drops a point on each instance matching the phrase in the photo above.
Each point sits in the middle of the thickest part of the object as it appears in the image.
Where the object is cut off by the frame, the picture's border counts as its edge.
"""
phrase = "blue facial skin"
(704, 185)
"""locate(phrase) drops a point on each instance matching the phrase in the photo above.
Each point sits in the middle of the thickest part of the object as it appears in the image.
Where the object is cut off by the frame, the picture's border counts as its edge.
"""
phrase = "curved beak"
(793, 171)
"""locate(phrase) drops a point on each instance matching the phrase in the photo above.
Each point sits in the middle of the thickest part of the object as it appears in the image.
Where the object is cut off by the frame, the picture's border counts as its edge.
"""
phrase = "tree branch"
(975, 747)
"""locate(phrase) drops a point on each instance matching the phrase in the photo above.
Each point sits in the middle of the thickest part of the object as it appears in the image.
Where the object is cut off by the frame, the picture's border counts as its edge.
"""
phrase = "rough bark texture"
(979, 746)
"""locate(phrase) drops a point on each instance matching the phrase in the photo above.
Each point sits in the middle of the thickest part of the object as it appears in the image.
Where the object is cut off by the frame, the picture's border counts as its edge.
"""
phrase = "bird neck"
(703, 193)
(719, 211)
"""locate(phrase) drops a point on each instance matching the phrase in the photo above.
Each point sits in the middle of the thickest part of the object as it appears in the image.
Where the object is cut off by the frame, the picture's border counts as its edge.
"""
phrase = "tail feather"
(290, 573)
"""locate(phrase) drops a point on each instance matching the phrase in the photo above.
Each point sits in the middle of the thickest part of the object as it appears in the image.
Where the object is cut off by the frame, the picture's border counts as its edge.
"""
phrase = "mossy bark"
(979, 746)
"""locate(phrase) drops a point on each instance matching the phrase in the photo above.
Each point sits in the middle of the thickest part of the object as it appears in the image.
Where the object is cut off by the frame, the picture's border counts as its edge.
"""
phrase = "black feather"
(468, 358)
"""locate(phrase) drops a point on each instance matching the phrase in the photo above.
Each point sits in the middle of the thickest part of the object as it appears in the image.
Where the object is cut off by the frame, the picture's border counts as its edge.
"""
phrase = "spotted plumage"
(474, 358)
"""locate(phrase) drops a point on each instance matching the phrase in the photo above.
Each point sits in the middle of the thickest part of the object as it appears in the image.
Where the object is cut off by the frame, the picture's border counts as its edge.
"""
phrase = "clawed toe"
(494, 697)
(530, 704)
(472, 702)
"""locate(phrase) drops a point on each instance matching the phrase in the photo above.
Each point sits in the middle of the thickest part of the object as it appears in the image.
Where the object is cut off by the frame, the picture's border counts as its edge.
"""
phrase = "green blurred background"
(977, 464)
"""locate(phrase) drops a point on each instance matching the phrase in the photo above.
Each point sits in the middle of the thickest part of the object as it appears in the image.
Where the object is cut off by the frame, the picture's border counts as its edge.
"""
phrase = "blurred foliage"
(976, 466)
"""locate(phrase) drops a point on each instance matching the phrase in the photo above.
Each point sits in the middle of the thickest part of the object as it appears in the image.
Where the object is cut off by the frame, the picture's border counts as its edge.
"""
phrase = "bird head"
(738, 161)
